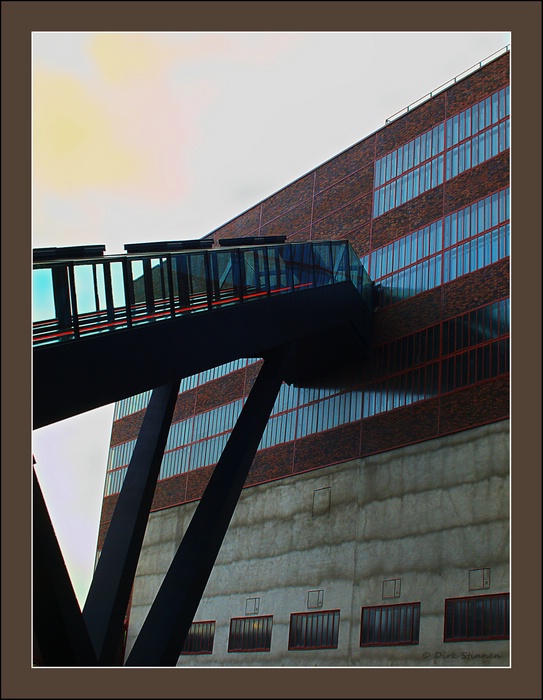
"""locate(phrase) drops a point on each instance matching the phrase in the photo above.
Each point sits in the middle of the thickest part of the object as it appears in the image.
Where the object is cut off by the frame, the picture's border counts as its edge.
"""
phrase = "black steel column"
(108, 287)
(58, 624)
(161, 638)
(109, 593)
(182, 273)
(61, 296)
(148, 284)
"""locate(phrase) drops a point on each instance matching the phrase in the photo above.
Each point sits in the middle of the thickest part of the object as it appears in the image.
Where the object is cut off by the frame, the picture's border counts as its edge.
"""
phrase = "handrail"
(450, 82)
(77, 298)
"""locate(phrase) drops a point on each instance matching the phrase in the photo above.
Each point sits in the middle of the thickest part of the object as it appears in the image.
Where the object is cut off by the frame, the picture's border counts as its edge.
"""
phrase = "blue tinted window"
(463, 225)
(476, 121)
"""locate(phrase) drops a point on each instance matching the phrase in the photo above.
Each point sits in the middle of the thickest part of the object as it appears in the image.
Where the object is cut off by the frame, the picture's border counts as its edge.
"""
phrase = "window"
(477, 618)
(490, 358)
(250, 633)
(478, 133)
(314, 630)
(392, 588)
(401, 390)
(315, 598)
(478, 579)
(385, 625)
(435, 254)
(252, 606)
(200, 638)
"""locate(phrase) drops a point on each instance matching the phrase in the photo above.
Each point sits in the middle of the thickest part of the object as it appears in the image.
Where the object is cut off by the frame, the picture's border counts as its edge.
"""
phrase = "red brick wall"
(127, 428)
(408, 127)
(474, 405)
(478, 86)
(170, 491)
(343, 193)
(291, 221)
(335, 201)
(220, 391)
(408, 217)
(272, 463)
(476, 289)
(351, 161)
(336, 445)
(185, 405)
(407, 317)
(400, 427)
(288, 198)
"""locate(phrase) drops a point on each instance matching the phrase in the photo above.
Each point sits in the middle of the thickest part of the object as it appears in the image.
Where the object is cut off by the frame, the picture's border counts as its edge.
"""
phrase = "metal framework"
(310, 305)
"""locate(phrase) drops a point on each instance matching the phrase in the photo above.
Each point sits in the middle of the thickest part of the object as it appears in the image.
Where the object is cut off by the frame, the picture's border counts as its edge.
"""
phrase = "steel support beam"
(161, 638)
(59, 627)
(109, 593)
(74, 377)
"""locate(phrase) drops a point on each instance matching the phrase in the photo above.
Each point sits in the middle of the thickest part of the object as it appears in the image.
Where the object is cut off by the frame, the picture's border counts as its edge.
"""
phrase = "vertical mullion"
(267, 280)
(95, 285)
(128, 292)
(240, 259)
(109, 292)
(169, 271)
(208, 280)
(148, 286)
(254, 633)
(73, 295)
(303, 629)
(162, 279)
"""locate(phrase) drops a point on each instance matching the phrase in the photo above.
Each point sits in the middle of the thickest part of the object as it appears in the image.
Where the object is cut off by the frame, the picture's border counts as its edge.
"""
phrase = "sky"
(167, 136)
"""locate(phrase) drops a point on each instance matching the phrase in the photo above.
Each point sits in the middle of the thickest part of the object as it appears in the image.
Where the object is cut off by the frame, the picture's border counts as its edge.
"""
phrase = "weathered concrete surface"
(425, 514)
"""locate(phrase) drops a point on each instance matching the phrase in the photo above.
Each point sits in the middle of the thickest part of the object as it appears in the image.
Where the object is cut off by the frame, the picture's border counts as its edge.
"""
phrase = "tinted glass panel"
(477, 618)
(390, 624)
(314, 630)
(250, 634)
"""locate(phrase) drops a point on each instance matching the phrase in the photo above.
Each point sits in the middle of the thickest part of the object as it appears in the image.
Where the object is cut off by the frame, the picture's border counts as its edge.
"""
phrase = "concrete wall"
(425, 514)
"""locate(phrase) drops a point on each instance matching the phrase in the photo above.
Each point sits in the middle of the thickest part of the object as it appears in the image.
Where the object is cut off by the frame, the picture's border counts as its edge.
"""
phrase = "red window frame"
(314, 630)
(476, 618)
(382, 625)
(247, 635)
(200, 638)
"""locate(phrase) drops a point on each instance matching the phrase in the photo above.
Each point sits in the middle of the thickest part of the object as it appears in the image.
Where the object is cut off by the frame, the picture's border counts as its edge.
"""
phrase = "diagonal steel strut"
(161, 638)
(59, 628)
(109, 593)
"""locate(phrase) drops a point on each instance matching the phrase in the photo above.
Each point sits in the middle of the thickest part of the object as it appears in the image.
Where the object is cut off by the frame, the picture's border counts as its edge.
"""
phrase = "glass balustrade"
(73, 299)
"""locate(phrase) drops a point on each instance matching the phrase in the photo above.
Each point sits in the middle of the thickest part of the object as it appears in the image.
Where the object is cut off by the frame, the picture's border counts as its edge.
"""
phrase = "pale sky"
(164, 136)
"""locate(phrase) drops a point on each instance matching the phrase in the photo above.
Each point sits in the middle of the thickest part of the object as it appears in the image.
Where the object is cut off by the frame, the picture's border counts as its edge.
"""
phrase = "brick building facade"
(424, 202)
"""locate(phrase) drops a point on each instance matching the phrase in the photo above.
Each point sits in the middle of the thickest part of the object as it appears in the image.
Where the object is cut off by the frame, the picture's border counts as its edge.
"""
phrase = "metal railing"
(448, 84)
(77, 298)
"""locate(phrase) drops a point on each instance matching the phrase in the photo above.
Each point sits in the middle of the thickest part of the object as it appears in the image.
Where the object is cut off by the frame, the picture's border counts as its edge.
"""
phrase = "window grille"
(250, 633)
(477, 618)
(386, 625)
(314, 630)
(200, 638)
